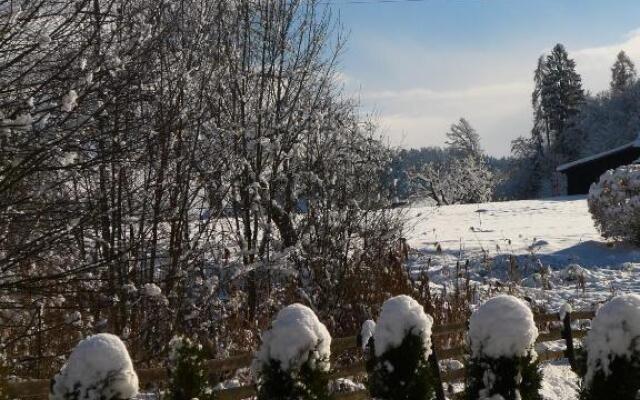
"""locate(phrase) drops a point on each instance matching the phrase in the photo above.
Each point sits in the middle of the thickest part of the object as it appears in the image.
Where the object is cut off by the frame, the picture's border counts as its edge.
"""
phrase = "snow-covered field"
(548, 250)
(558, 254)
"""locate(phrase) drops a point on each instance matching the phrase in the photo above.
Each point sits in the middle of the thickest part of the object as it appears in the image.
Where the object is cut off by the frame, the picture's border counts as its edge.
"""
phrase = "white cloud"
(419, 117)
(594, 63)
(423, 94)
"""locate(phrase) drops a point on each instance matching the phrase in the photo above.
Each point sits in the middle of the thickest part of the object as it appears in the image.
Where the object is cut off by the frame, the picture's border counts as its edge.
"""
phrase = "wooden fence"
(39, 389)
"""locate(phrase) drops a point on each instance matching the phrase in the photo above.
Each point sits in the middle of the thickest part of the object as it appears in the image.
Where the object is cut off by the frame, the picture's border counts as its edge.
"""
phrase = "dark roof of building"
(632, 145)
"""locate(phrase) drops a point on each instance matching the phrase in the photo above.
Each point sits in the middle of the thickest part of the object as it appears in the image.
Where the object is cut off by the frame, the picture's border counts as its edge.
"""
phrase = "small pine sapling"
(397, 364)
(612, 351)
(187, 371)
(293, 360)
(502, 334)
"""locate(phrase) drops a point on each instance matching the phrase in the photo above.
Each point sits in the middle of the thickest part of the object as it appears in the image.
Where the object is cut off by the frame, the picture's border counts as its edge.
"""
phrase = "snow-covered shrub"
(614, 203)
(293, 360)
(502, 334)
(99, 368)
(187, 372)
(398, 365)
(613, 351)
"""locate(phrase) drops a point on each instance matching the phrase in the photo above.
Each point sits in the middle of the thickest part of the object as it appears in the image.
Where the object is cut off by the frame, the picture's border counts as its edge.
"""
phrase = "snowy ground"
(559, 382)
(549, 250)
(554, 242)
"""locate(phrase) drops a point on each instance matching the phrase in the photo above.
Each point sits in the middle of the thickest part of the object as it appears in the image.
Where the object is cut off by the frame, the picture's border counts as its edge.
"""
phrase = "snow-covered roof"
(634, 144)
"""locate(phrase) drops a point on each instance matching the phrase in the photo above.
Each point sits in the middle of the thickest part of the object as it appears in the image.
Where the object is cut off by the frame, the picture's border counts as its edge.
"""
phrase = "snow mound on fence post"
(296, 336)
(366, 333)
(99, 367)
(400, 316)
(615, 332)
(502, 327)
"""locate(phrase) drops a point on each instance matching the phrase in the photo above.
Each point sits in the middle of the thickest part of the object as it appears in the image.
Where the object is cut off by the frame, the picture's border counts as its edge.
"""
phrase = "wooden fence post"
(433, 359)
(567, 335)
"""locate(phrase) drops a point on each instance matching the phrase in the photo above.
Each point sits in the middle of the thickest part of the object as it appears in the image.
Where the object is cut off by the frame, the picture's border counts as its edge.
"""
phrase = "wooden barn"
(582, 173)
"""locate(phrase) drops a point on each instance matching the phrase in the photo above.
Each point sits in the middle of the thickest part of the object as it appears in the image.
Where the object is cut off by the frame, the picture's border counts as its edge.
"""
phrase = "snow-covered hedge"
(99, 368)
(614, 203)
(398, 365)
(502, 334)
(187, 372)
(293, 360)
(613, 351)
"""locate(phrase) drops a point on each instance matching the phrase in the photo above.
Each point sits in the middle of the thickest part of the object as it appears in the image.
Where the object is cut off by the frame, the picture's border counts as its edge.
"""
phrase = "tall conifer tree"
(623, 73)
(557, 97)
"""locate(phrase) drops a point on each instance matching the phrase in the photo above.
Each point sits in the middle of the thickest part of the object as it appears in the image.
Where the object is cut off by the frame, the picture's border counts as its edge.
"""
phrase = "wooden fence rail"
(39, 389)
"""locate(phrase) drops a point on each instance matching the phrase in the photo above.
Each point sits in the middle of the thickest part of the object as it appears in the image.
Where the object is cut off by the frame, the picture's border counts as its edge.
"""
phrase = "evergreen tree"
(187, 371)
(502, 364)
(294, 359)
(611, 355)
(540, 126)
(557, 99)
(406, 366)
(621, 383)
(609, 121)
(513, 378)
(623, 73)
(306, 383)
(401, 371)
(524, 174)
(561, 95)
(528, 153)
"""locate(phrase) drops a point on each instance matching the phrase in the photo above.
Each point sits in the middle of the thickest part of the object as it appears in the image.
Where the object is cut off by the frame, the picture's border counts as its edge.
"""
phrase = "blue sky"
(421, 65)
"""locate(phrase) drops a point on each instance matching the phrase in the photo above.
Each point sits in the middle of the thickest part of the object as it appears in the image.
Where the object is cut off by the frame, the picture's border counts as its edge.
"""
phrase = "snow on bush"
(293, 359)
(502, 327)
(613, 350)
(397, 364)
(400, 316)
(152, 290)
(99, 368)
(614, 203)
(296, 336)
(574, 273)
(502, 335)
